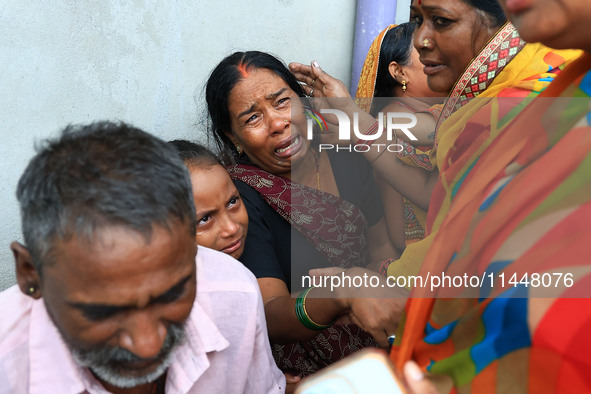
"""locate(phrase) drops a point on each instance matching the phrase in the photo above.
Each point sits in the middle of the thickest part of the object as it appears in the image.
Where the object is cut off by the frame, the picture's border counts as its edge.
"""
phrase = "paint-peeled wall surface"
(143, 62)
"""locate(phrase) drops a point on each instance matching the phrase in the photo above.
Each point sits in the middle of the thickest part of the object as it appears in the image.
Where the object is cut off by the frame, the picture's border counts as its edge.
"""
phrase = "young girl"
(222, 221)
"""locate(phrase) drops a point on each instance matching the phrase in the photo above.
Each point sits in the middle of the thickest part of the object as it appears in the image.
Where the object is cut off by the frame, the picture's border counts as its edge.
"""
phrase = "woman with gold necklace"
(307, 209)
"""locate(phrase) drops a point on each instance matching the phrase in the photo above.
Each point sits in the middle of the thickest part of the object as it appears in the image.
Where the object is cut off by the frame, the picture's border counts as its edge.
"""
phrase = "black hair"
(98, 175)
(492, 9)
(396, 47)
(224, 78)
(194, 154)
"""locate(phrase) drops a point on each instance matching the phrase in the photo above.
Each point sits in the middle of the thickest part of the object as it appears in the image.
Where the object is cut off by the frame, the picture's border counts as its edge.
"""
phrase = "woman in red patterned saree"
(307, 209)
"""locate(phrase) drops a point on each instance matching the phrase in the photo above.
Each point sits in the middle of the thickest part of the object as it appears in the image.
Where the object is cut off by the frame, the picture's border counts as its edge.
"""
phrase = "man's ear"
(27, 276)
(396, 72)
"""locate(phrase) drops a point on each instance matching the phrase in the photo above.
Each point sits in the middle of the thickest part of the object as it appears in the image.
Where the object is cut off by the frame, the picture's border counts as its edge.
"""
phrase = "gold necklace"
(316, 159)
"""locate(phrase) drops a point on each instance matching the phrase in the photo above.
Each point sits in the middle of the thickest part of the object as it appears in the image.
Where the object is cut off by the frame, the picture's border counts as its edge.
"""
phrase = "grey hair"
(99, 175)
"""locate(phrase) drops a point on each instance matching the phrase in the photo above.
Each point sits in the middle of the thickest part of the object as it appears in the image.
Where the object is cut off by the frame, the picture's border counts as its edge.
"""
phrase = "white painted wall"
(402, 11)
(144, 62)
(141, 61)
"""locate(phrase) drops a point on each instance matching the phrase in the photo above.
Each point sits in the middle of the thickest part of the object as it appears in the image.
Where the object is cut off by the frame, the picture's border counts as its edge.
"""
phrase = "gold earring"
(403, 85)
(239, 150)
(31, 290)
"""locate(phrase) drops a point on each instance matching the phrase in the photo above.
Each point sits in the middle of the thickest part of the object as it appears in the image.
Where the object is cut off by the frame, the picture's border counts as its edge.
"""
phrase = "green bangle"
(302, 313)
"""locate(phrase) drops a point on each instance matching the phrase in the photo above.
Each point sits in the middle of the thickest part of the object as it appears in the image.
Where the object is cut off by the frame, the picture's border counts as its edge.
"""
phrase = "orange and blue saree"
(520, 208)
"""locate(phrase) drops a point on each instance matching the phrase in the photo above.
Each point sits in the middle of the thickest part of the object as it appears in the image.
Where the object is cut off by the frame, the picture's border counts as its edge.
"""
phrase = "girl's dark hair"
(194, 154)
(396, 47)
(221, 82)
(492, 8)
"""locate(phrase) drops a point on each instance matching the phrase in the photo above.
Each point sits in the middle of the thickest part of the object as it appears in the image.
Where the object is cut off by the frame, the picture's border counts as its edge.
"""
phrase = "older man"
(112, 294)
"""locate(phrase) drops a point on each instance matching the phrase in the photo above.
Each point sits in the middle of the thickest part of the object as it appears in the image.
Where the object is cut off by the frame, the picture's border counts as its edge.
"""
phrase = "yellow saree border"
(504, 40)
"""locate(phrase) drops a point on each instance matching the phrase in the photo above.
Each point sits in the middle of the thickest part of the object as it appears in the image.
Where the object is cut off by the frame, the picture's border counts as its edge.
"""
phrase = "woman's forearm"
(285, 327)
(414, 183)
(423, 131)
(376, 310)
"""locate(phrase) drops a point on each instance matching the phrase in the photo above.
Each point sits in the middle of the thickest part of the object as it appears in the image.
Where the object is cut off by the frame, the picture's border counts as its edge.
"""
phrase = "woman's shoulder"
(247, 190)
(251, 197)
(260, 213)
(355, 180)
(400, 106)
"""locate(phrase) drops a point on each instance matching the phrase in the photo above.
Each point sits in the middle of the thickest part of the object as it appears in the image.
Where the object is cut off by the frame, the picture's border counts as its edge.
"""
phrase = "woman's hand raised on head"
(330, 93)
(318, 83)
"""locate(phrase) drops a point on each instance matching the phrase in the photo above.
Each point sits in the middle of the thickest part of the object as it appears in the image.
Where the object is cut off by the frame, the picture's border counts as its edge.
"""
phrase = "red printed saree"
(337, 229)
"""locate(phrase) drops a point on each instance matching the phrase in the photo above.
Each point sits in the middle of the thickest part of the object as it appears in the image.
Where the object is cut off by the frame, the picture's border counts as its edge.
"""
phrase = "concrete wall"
(144, 62)
(402, 11)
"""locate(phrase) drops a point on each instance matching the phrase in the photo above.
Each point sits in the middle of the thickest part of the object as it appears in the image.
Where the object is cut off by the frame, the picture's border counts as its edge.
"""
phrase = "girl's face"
(222, 221)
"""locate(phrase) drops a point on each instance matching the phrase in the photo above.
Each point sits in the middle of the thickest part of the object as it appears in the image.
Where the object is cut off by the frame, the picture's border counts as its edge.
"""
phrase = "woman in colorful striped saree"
(519, 218)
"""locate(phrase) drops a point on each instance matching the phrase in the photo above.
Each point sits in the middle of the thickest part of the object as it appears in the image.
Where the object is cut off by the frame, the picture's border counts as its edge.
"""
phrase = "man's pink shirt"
(227, 348)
